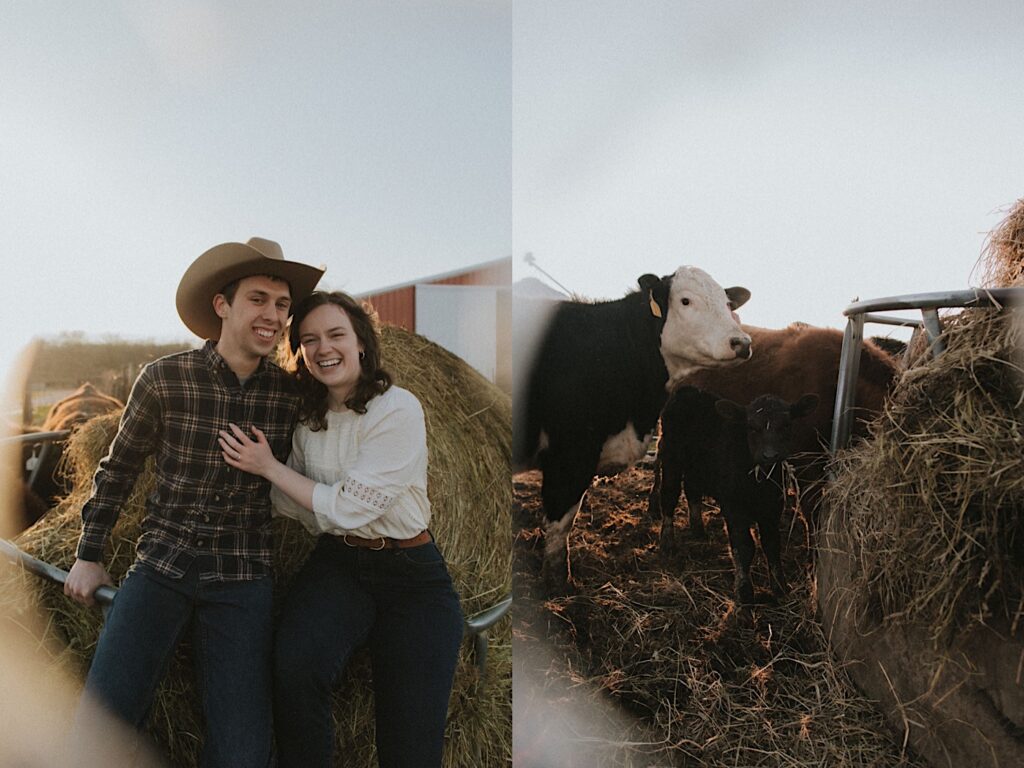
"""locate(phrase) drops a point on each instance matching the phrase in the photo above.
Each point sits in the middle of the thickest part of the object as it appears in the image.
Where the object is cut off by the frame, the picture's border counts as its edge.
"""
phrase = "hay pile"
(921, 565)
(1002, 262)
(936, 499)
(469, 438)
(650, 664)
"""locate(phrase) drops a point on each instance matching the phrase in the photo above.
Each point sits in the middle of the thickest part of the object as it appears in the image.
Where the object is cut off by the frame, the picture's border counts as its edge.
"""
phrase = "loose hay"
(659, 660)
(935, 500)
(469, 441)
(921, 566)
(1002, 261)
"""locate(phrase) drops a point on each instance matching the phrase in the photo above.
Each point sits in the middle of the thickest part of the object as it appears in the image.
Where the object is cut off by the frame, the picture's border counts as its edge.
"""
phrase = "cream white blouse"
(370, 470)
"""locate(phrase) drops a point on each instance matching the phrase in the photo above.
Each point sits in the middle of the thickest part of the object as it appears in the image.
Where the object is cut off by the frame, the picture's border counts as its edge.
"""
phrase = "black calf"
(714, 447)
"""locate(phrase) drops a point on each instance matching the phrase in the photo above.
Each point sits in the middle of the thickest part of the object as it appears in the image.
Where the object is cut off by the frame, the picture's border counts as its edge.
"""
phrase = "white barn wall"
(464, 319)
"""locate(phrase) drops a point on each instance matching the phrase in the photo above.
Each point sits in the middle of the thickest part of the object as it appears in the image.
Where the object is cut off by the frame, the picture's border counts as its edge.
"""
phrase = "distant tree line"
(71, 359)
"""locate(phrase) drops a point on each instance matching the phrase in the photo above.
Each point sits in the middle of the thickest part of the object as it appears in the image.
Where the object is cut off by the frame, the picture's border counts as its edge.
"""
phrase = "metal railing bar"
(906, 322)
(104, 595)
(35, 462)
(35, 437)
(933, 327)
(969, 298)
(849, 366)
(486, 619)
(477, 626)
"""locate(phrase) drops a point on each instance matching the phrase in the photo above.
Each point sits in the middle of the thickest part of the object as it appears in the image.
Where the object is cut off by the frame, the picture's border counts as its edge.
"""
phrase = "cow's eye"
(686, 302)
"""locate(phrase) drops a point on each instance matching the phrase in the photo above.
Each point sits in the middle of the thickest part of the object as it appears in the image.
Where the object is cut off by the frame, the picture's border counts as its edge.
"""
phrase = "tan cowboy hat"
(227, 262)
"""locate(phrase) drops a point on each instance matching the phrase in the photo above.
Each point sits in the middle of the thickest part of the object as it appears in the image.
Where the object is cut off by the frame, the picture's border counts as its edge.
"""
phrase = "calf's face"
(701, 327)
(769, 424)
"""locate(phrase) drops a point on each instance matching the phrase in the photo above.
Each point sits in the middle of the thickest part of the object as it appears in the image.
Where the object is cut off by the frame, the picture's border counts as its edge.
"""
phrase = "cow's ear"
(731, 411)
(648, 281)
(804, 406)
(738, 296)
(656, 291)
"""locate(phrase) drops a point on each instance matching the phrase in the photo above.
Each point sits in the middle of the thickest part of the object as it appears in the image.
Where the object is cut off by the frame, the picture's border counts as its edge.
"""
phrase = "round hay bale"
(1002, 261)
(469, 441)
(921, 563)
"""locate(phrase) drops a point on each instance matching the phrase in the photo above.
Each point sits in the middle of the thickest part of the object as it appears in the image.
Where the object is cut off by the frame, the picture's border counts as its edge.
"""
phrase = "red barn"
(467, 311)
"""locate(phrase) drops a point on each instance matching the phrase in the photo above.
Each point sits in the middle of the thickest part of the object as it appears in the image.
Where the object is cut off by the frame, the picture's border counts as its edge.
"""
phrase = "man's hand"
(84, 578)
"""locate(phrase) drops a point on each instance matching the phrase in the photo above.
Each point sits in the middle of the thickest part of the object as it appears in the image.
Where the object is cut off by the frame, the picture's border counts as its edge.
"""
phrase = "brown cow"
(78, 407)
(50, 483)
(795, 361)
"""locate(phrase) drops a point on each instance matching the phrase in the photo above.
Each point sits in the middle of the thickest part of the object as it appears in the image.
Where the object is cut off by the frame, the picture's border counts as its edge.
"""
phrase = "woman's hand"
(248, 455)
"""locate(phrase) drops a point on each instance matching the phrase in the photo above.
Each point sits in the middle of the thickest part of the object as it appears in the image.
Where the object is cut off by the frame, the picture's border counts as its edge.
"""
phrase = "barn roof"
(434, 278)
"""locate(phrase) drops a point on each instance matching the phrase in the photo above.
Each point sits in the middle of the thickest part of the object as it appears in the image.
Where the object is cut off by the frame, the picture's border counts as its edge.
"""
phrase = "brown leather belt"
(382, 542)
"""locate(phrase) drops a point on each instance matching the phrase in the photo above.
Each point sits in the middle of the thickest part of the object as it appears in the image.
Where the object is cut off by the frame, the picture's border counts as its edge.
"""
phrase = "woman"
(357, 475)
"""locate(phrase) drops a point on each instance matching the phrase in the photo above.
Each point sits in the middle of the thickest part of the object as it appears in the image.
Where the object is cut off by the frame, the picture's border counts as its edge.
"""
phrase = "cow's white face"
(701, 329)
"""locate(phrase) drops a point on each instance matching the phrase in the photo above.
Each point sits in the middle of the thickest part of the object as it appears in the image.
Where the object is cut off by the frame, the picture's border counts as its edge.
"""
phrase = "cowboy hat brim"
(225, 263)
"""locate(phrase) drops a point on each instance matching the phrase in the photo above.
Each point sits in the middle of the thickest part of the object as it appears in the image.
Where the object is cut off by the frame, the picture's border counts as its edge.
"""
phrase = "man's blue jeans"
(231, 636)
(401, 603)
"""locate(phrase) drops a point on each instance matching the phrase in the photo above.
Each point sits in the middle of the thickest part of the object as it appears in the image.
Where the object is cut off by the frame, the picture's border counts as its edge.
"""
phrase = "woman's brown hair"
(373, 379)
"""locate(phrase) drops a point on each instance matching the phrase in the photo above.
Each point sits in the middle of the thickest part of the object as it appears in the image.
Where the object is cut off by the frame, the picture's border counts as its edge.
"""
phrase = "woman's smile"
(331, 350)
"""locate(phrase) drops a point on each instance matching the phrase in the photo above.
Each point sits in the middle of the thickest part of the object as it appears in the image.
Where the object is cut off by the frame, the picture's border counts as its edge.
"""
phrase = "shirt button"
(206, 518)
(216, 497)
(200, 542)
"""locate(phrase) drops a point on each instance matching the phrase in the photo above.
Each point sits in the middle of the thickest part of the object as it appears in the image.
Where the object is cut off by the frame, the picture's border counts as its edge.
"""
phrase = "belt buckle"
(383, 543)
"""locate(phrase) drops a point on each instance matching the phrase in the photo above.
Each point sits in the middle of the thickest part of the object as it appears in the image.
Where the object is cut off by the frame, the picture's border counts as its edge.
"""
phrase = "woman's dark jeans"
(402, 604)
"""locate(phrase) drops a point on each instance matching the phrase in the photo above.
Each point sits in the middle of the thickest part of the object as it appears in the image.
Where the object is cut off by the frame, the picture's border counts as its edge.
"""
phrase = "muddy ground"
(649, 663)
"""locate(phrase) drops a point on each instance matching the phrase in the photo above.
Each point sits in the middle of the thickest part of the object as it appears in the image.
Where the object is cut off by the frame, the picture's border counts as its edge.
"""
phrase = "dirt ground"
(648, 663)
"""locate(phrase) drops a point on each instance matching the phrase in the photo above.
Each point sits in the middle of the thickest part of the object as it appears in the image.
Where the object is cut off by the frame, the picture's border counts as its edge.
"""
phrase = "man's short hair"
(231, 288)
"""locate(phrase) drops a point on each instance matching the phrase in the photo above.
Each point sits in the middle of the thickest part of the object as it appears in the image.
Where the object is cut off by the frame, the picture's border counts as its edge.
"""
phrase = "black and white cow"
(595, 383)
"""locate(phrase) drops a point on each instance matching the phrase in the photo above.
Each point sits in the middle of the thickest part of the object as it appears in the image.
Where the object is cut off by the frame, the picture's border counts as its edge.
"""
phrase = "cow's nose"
(741, 345)
(770, 457)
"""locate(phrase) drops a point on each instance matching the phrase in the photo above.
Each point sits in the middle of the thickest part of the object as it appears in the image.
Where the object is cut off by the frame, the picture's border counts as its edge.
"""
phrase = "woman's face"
(330, 349)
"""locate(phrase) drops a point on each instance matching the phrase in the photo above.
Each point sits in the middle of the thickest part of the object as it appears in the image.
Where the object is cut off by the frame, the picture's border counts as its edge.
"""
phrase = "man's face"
(253, 322)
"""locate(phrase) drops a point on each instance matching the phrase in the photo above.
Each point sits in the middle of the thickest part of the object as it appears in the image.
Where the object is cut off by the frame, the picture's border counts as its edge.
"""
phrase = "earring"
(362, 355)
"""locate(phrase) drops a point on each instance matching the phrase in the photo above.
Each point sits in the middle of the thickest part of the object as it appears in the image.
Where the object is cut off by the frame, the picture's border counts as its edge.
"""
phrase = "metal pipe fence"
(929, 304)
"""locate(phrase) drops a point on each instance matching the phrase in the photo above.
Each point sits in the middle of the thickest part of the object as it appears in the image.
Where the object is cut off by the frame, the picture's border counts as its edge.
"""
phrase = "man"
(203, 559)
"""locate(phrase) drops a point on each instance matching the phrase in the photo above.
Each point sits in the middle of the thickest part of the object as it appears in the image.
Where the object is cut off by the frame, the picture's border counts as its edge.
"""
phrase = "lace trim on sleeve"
(367, 495)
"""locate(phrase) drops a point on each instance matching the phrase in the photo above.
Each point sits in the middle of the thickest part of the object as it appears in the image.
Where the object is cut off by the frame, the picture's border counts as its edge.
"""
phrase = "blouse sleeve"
(391, 456)
(281, 504)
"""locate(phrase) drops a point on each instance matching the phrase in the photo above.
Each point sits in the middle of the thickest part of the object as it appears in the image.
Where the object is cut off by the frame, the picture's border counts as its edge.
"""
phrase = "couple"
(219, 421)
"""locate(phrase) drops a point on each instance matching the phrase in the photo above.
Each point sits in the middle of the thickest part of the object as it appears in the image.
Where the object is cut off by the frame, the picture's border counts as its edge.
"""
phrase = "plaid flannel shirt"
(201, 507)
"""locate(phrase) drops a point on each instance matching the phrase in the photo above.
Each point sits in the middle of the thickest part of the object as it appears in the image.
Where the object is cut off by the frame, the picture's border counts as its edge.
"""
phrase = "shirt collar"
(218, 363)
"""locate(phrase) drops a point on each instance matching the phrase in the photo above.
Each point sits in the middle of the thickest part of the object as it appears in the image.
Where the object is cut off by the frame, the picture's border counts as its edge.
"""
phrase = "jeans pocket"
(425, 556)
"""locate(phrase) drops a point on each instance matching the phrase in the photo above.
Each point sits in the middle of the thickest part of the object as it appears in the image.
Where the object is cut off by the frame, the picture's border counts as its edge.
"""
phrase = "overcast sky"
(373, 137)
(811, 151)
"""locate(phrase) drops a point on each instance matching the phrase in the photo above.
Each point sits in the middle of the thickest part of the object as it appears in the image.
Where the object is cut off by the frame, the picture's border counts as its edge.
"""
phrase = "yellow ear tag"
(655, 309)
